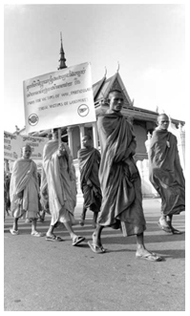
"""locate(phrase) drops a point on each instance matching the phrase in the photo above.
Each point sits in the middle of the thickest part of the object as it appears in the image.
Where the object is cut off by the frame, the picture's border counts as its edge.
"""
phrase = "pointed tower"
(62, 59)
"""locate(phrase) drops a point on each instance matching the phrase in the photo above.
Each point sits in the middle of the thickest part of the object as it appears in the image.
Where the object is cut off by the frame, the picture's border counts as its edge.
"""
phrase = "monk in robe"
(119, 180)
(7, 177)
(89, 161)
(24, 191)
(56, 182)
(44, 198)
(74, 184)
(166, 174)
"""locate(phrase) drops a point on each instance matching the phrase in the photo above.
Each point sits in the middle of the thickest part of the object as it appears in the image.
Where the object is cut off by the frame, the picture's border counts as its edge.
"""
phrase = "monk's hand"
(20, 194)
(89, 183)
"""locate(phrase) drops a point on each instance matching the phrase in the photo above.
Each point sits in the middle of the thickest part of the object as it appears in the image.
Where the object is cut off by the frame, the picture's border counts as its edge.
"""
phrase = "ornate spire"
(118, 66)
(62, 59)
(105, 72)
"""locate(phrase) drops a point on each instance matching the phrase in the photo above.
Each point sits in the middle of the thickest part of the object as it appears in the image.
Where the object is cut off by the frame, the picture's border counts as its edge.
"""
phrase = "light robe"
(24, 179)
(119, 177)
(89, 161)
(57, 178)
(165, 172)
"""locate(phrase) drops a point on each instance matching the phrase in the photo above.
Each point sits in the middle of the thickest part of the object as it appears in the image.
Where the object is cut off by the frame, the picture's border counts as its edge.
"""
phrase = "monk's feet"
(77, 240)
(174, 230)
(147, 255)
(34, 233)
(52, 237)
(96, 245)
(14, 231)
(96, 248)
(163, 224)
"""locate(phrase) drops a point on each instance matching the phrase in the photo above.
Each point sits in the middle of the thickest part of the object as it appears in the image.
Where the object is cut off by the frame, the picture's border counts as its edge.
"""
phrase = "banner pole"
(59, 136)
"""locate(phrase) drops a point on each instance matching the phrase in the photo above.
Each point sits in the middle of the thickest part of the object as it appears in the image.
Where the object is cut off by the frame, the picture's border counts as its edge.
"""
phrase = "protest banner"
(13, 144)
(61, 98)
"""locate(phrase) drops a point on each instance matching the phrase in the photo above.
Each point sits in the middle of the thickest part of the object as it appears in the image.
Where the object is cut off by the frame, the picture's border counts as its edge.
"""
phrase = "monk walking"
(57, 183)
(119, 180)
(89, 161)
(166, 174)
(24, 191)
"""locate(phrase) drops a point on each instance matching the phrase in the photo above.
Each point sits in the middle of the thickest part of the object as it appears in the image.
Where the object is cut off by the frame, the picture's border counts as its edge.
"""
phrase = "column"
(147, 142)
(70, 139)
(95, 134)
(81, 127)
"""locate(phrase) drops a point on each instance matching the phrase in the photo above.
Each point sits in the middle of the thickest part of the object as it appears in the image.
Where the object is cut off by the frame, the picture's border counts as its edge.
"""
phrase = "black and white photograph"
(94, 124)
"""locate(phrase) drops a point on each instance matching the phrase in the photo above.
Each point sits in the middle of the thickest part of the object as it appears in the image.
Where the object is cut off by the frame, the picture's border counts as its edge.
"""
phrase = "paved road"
(46, 276)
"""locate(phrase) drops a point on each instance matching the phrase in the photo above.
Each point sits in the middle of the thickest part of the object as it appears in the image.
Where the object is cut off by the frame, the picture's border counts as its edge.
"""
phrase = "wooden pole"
(59, 136)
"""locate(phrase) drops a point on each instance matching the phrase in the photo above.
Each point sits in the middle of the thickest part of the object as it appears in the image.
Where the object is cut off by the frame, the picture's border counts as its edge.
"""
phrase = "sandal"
(14, 232)
(167, 229)
(77, 240)
(37, 234)
(149, 256)
(95, 248)
(54, 238)
(176, 231)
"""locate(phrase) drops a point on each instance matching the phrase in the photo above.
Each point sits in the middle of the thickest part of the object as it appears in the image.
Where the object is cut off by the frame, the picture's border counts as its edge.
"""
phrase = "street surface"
(55, 276)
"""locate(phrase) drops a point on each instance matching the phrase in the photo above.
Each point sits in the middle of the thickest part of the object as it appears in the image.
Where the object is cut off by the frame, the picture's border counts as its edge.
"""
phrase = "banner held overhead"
(61, 98)
(13, 144)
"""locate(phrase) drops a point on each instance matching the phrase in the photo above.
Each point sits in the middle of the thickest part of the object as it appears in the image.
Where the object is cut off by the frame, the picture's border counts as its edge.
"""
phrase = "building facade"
(143, 121)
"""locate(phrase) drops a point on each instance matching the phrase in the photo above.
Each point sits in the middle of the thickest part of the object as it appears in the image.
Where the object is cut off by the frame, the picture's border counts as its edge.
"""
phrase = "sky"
(147, 41)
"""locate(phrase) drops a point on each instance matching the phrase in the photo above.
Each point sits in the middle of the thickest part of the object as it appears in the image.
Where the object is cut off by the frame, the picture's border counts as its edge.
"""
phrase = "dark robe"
(119, 177)
(165, 172)
(6, 191)
(89, 160)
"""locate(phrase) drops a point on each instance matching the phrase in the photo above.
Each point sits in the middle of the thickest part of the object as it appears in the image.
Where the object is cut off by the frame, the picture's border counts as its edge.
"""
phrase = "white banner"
(61, 98)
(13, 144)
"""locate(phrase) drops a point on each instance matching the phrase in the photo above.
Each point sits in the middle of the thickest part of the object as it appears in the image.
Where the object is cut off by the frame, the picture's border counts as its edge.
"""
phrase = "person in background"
(56, 181)
(7, 204)
(119, 180)
(42, 210)
(44, 197)
(89, 161)
(24, 192)
(166, 174)
(73, 184)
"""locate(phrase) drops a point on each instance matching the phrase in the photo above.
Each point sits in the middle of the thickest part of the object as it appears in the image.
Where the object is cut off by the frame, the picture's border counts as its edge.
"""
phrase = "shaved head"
(163, 121)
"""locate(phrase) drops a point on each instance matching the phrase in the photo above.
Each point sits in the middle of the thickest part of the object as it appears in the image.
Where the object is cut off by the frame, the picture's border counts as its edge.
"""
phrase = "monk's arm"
(132, 147)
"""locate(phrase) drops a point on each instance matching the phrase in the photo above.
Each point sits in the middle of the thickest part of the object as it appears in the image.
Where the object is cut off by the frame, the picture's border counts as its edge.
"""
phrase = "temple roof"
(102, 88)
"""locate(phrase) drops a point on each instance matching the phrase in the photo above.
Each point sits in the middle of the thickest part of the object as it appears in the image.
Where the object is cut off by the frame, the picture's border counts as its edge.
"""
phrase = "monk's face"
(163, 122)
(116, 101)
(86, 142)
(26, 152)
